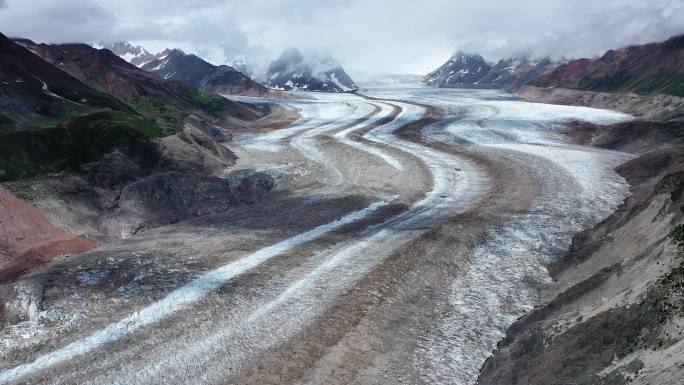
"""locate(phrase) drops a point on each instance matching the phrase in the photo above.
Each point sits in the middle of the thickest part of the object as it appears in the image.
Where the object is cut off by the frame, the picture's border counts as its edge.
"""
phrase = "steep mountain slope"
(137, 55)
(614, 311)
(107, 165)
(53, 121)
(167, 102)
(293, 71)
(656, 68)
(175, 64)
(93, 148)
(60, 123)
(461, 70)
(34, 89)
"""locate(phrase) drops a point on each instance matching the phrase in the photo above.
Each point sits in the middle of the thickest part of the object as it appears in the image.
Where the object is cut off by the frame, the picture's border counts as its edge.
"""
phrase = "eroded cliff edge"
(614, 313)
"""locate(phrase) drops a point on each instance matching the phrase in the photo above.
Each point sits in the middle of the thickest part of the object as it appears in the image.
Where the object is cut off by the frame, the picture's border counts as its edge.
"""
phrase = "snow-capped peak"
(136, 55)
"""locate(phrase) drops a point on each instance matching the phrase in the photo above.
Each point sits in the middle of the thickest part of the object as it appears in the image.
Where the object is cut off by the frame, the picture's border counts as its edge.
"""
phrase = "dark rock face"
(179, 193)
(215, 132)
(175, 64)
(32, 88)
(172, 196)
(192, 150)
(292, 71)
(249, 184)
(152, 184)
(113, 170)
(123, 165)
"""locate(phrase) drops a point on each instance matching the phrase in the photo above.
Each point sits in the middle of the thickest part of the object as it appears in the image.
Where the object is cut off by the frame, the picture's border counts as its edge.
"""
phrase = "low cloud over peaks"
(367, 37)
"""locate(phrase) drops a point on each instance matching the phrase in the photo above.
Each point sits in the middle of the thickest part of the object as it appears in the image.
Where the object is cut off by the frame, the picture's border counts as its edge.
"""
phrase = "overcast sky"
(367, 36)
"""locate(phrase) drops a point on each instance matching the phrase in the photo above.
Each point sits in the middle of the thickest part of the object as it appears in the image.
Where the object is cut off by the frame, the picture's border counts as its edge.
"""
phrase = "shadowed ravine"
(412, 229)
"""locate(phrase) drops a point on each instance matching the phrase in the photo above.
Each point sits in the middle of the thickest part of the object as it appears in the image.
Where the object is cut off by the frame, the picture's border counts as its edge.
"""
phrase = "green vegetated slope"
(62, 106)
(50, 121)
(70, 143)
(165, 101)
(643, 69)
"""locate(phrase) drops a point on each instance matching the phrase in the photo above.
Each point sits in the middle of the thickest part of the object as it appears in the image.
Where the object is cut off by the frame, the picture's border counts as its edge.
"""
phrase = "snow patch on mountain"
(311, 72)
(472, 71)
(136, 55)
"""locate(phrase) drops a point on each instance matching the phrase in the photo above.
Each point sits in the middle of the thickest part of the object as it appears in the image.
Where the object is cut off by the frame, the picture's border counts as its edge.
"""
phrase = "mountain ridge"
(294, 71)
(643, 69)
(465, 70)
(177, 65)
(166, 101)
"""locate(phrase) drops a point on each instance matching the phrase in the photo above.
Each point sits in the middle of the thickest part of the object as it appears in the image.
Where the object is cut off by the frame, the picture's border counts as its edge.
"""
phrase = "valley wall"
(614, 313)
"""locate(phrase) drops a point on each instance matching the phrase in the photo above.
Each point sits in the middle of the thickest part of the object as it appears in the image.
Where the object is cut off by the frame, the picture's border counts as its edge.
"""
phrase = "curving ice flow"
(318, 118)
(224, 322)
(180, 298)
(579, 188)
(305, 140)
(343, 136)
(313, 114)
(307, 144)
(353, 259)
(284, 311)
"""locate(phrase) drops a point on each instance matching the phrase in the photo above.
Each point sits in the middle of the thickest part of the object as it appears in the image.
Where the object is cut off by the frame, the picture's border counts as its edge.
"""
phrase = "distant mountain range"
(642, 69)
(176, 64)
(293, 71)
(472, 71)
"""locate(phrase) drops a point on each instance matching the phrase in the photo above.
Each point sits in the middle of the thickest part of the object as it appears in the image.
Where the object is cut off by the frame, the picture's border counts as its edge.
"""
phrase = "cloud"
(366, 36)
(3, 3)
(59, 21)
